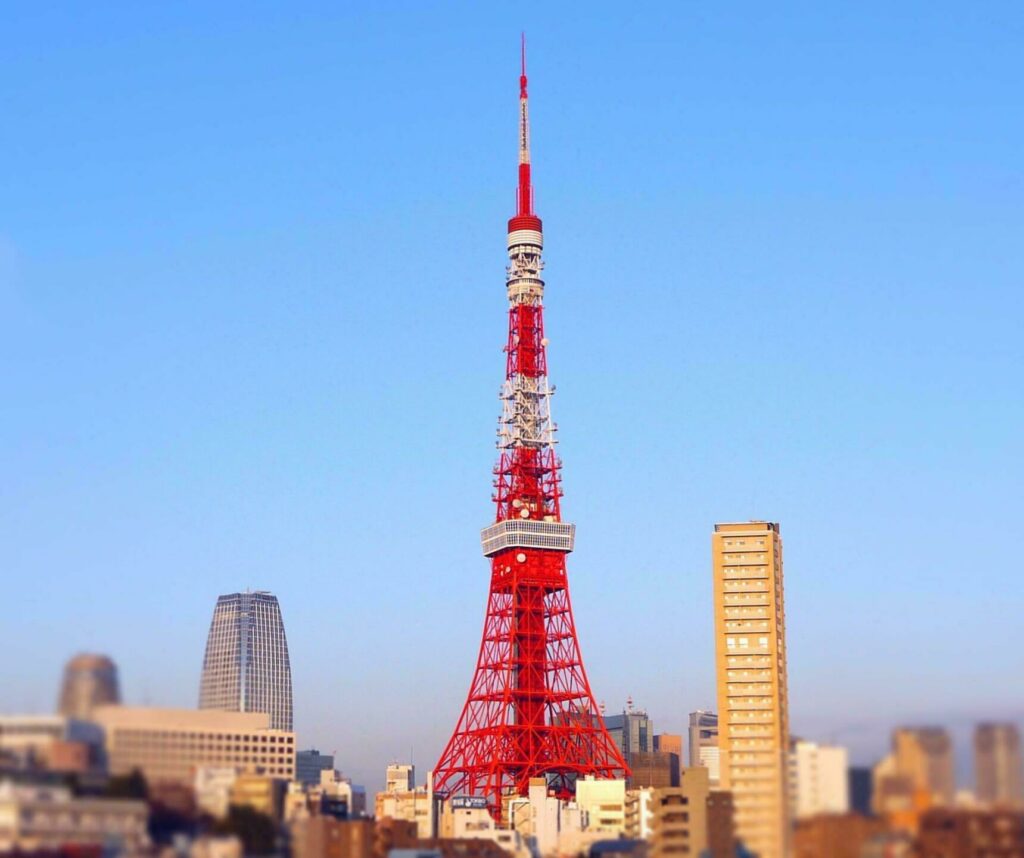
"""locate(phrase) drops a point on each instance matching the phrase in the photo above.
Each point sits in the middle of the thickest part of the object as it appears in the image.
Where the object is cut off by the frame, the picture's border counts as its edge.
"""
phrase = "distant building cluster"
(101, 775)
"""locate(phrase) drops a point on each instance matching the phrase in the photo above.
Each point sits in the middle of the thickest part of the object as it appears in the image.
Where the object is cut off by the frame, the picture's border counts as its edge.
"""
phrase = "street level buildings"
(997, 764)
(753, 710)
(835, 835)
(45, 819)
(246, 666)
(958, 833)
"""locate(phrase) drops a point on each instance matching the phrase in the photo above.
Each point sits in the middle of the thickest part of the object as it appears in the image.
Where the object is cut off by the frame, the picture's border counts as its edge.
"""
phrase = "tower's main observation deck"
(530, 712)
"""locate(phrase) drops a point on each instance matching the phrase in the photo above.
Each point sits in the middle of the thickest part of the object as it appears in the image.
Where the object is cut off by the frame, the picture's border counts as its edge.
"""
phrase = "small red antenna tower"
(530, 712)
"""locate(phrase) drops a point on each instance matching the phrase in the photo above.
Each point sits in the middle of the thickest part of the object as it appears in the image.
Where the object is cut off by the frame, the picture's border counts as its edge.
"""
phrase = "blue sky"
(252, 310)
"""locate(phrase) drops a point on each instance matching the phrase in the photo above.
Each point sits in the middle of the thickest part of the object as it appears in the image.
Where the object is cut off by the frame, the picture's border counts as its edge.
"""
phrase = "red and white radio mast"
(530, 712)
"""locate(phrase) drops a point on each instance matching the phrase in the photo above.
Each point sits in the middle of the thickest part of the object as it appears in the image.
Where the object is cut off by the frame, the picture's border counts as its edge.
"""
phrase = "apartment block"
(753, 712)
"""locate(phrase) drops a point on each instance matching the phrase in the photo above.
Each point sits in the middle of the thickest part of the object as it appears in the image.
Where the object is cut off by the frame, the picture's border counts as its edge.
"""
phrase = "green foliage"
(128, 786)
(256, 830)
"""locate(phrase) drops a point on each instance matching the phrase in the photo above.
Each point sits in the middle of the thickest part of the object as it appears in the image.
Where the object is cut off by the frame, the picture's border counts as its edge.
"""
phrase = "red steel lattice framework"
(530, 711)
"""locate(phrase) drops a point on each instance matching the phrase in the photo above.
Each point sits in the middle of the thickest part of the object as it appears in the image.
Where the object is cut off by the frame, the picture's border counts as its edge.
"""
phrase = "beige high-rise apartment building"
(753, 709)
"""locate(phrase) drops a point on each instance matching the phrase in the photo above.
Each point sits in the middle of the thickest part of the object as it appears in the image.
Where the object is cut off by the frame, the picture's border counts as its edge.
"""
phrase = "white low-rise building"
(212, 788)
(818, 779)
(603, 803)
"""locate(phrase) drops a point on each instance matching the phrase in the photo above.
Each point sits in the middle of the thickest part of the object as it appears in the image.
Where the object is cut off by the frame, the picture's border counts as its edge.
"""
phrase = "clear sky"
(252, 308)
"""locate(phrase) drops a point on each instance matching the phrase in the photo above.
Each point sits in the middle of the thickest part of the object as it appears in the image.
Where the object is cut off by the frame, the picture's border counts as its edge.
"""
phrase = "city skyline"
(197, 409)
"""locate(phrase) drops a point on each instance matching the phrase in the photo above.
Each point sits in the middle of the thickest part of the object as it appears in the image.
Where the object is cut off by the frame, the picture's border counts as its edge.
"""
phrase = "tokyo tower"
(530, 712)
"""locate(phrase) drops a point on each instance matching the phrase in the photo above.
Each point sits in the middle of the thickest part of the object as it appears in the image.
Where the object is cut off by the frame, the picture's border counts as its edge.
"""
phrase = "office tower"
(246, 667)
(924, 756)
(753, 712)
(309, 764)
(400, 777)
(89, 681)
(631, 731)
(703, 750)
(819, 780)
(530, 711)
(169, 745)
(997, 764)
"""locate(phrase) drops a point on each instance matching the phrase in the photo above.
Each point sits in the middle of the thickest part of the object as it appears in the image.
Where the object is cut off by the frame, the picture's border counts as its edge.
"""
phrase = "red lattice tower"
(530, 711)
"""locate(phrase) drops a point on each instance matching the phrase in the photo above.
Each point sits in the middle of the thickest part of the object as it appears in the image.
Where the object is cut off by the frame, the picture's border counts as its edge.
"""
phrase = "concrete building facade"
(819, 779)
(603, 805)
(47, 819)
(653, 769)
(753, 709)
(703, 744)
(400, 777)
(170, 745)
(679, 821)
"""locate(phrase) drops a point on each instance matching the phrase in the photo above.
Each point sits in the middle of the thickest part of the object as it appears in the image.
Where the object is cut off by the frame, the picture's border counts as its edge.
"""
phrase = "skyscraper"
(89, 681)
(753, 711)
(631, 731)
(924, 755)
(246, 667)
(703, 750)
(997, 764)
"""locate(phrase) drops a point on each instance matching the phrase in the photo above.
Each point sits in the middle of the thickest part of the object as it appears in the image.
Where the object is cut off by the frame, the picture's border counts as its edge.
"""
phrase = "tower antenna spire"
(524, 194)
(522, 74)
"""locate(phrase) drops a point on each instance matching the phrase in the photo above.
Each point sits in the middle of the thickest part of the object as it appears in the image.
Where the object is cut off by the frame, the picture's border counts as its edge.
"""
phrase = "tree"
(128, 786)
(256, 830)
